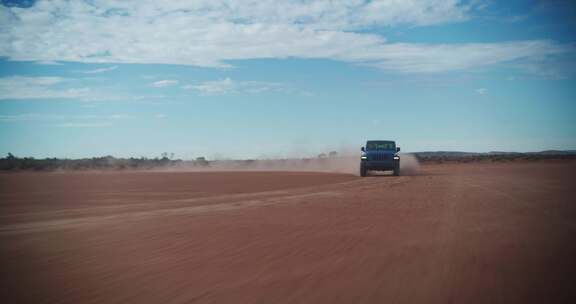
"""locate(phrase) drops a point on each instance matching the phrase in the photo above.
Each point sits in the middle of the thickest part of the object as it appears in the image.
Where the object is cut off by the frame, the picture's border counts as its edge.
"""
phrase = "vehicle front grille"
(378, 157)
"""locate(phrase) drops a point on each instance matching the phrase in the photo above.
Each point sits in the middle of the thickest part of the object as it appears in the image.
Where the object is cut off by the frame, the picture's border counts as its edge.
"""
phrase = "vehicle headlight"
(363, 157)
(396, 157)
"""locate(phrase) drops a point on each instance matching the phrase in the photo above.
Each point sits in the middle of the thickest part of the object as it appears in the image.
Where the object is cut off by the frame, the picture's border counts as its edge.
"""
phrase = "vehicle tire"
(397, 169)
(363, 171)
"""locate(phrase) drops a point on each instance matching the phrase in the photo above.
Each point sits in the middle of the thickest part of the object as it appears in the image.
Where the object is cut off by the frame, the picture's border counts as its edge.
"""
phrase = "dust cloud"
(332, 164)
(409, 164)
(348, 164)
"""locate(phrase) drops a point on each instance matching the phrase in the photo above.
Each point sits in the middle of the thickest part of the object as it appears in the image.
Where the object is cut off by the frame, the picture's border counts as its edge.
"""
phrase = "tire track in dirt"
(125, 206)
(84, 217)
(50, 225)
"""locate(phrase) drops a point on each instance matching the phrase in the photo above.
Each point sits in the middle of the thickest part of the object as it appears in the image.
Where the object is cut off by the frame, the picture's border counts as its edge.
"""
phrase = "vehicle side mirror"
(362, 149)
(397, 149)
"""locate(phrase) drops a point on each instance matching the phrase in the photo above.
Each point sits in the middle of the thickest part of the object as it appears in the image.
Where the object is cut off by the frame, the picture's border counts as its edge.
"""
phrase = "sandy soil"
(470, 233)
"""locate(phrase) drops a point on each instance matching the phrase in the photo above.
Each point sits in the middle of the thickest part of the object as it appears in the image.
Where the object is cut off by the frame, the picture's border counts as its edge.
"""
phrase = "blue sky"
(246, 79)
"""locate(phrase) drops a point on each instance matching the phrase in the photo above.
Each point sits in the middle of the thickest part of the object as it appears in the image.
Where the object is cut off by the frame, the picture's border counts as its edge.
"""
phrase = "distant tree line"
(13, 163)
(165, 161)
(466, 157)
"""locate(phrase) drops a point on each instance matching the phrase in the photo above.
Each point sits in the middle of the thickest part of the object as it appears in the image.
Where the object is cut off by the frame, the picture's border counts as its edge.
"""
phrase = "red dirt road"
(470, 233)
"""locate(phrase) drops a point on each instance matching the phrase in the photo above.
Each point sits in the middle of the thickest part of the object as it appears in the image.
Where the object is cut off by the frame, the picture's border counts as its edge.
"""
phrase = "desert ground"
(452, 233)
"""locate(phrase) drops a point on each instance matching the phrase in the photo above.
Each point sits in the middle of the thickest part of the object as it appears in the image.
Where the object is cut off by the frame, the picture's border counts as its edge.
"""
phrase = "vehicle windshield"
(380, 145)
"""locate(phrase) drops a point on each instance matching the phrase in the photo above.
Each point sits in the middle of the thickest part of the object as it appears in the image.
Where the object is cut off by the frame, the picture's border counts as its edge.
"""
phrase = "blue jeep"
(380, 155)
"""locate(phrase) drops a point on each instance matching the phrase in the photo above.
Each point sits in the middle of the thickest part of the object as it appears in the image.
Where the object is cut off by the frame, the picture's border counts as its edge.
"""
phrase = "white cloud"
(48, 62)
(46, 88)
(428, 58)
(229, 86)
(85, 124)
(67, 120)
(28, 117)
(481, 91)
(20, 87)
(30, 81)
(212, 33)
(217, 87)
(47, 117)
(101, 70)
(41, 88)
(547, 68)
(160, 116)
(120, 116)
(103, 96)
(164, 83)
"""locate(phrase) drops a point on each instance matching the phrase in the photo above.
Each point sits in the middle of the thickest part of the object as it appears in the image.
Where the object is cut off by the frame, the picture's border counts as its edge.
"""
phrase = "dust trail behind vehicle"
(339, 164)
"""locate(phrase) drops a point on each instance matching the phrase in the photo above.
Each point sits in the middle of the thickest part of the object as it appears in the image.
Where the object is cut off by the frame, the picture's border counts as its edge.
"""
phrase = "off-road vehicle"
(380, 155)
